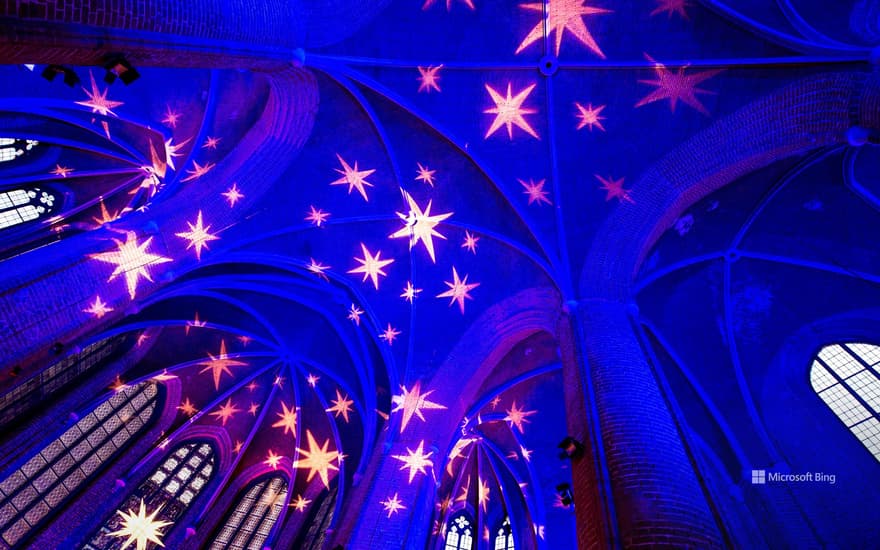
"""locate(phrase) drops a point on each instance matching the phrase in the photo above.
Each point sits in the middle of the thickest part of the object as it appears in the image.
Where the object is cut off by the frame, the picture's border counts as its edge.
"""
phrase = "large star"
(317, 459)
(371, 266)
(517, 417)
(226, 411)
(416, 460)
(459, 290)
(411, 402)
(614, 189)
(132, 260)
(341, 405)
(140, 528)
(354, 178)
(563, 15)
(220, 364)
(419, 226)
(677, 86)
(288, 419)
(483, 494)
(509, 111)
(392, 505)
(98, 101)
(171, 151)
(198, 236)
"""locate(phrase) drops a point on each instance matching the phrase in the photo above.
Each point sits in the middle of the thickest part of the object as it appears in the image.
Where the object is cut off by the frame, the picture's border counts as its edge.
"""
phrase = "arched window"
(12, 148)
(504, 536)
(18, 206)
(460, 532)
(166, 494)
(847, 378)
(30, 493)
(254, 516)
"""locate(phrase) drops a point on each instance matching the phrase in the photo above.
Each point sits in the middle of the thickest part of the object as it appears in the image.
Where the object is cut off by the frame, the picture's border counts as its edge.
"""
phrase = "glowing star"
(245, 340)
(563, 15)
(444, 505)
(354, 314)
(429, 3)
(354, 178)
(140, 529)
(412, 402)
(106, 216)
(300, 503)
(197, 171)
(459, 290)
(233, 195)
(495, 401)
(272, 459)
(198, 236)
(483, 494)
(590, 116)
(485, 533)
(226, 411)
(253, 408)
(516, 417)
(220, 364)
(526, 453)
(61, 171)
(470, 242)
(171, 117)
(171, 151)
(316, 216)
(317, 459)
(535, 191)
(677, 86)
(672, 6)
(392, 505)
(419, 226)
(211, 142)
(237, 448)
(288, 419)
(416, 460)
(98, 101)
(142, 338)
(317, 268)
(389, 334)
(371, 266)
(425, 175)
(509, 111)
(410, 292)
(279, 381)
(557, 502)
(341, 405)
(98, 308)
(465, 489)
(195, 323)
(312, 380)
(614, 189)
(187, 407)
(132, 260)
(429, 79)
(459, 446)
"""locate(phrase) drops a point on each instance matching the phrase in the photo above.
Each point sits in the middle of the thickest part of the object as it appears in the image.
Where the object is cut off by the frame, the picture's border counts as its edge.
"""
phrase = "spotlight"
(565, 496)
(571, 448)
(118, 67)
(70, 77)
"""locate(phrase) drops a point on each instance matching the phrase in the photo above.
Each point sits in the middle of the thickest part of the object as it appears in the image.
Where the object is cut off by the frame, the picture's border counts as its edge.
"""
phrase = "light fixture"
(565, 495)
(70, 77)
(571, 448)
(118, 67)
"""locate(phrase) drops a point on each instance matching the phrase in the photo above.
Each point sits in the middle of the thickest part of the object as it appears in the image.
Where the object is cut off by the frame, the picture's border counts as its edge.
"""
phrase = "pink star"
(429, 79)
(590, 116)
(676, 86)
(614, 189)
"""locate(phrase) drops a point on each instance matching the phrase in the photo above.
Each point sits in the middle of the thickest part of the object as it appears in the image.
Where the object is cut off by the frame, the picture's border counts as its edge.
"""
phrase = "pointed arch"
(256, 512)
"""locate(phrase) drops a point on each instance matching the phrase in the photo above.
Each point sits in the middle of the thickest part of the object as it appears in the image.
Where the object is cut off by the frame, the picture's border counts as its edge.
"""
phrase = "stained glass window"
(460, 533)
(847, 378)
(170, 490)
(12, 148)
(33, 491)
(18, 206)
(254, 516)
(504, 536)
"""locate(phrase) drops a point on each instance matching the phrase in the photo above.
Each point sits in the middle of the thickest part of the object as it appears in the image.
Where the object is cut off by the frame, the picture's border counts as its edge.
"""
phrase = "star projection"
(563, 15)
(171, 151)
(98, 101)
(371, 266)
(614, 189)
(412, 402)
(425, 175)
(410, 292)
(509, 111)
(590, 116)
(300, 503)
(62, 171)
(392, 504)
(220, 364)
(171, 117)
(187, 407)
(389, 334)
(233, 195)
(516, 417)
(677, 86)
(131, 259)
(211, 142)
(316, 216)
(354, 314)
(341, 406)
(198, 236)
(273, 459)
(195, 323)
(419, 226)
(470, 242)
(198, 171)
(98, 308)
(459, 290)
(416, 461)
(317, 459)
(483, 491)
(429, 79)
(535, 191)
(672, 6)
(226, 411)
(106, 216)
(318, 268)
(354, 178)
(140, 528)
(287, 419)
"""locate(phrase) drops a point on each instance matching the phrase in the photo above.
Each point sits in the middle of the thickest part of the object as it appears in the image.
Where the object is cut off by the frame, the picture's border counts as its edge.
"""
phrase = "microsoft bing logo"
(759, 477)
